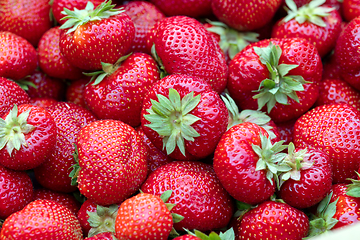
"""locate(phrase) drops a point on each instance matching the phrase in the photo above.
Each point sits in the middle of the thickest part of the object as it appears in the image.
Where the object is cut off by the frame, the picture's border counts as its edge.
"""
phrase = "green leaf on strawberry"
(227, 235)
(103, 220)
(353, 189)
(75, 167)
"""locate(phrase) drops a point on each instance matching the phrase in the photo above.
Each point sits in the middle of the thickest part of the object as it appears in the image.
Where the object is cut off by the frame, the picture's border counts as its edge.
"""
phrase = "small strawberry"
(195, 9)
(75, 90)
(11, 94)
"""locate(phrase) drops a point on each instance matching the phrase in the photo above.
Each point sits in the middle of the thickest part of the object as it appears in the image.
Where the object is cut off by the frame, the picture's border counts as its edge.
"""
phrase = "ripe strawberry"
(318, 23)
(52, 61)
(333, 129)
(350, 9)
(11, 94)
(17, 56)
(272, 220)
(276, 74)
(75, 90)
(42, 102)
(54, 172)
(182, 45)
(183, 116)
(119, 90)
(245, 15)
(27, 135)
(112, 161)
(16, 190)
(197, 193)
(42, 219)
(29, 20)
(195, 9)
(83, 215)
(85, 37)
(247, 164)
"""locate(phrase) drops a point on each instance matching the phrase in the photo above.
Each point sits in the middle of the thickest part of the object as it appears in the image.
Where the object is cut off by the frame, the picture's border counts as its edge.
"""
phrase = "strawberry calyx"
(176, 217)
(279, 86)
(227, 235)
(353, 189)
(235, 117)
(170, 118)
(231, 40)
(78, 17)
(103, 220)
(75, 167)
(311, 12)
(13, 130)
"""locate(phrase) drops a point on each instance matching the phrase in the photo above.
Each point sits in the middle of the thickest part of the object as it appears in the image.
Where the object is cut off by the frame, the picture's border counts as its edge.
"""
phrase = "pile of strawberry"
(179, 119)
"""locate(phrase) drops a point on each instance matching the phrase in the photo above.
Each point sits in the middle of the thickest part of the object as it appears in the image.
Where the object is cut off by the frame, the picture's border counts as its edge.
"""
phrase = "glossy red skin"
(187, 237)
(246, 72)
(185, 47)
(40, 141)
(350, 9)
(286, 130)
(54, 172)
(338, 91)
(102, 236)
(273, 220)
(191, 8)
(245, 15)
(84, 48)
(42, 219)
(323, 38)
(29, 20)
(120, 95)
(75, 90)
(144, 15)
(52, 61)
(16, 190)
(333, 129)
(42, 102)
(211, 109)
(347, 55)
(11, 93)
(65, 199)
(235, 163)
(331, 69)
(197, 193)
(112, 158)
(347, 207)
(82, 215)
(314, 184)
(19, 62)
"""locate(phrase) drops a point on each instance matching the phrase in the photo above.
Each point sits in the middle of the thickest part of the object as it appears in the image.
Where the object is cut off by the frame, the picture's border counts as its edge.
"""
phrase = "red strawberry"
(118, 92)
(17, 56)
(319, 24)
(11, 94)
(16, 190)
(42, 102)
(183, 116)
(285, 130)
(245, 15)
(75, 90)
(112, 160)
(333, 129)
(350, 9)
(277, 74)
(29, 20)
(42, 219)
(52, 61)
(197, 193)
(182, 45)
(27, 135)
(83, 215)
(85, 36)
(195, 9)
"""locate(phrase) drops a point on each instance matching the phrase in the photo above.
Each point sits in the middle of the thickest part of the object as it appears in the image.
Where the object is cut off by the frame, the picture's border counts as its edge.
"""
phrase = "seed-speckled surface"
(191, 8)
(11, 94)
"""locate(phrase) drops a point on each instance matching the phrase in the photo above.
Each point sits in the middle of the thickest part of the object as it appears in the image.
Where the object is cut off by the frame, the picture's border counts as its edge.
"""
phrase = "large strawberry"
(333, 129)
(27, 137)
(42, 219)
(183, 116)
(92, 36)
(195, 9)
(11, 93)
(280, 75)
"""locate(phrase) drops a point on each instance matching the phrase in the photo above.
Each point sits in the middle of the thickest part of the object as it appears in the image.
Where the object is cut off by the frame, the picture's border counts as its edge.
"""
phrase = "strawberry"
(119, 90)
(27, 135)
(350, 9)
(272, 220)
(245, 15)
(333, 129)
(83, 215)
(182, 115)
(42, 219)
(16, 191)
(196, 191)
(87, 32)
(347, 55)
(17, 56)
(182, 45)
(52, 61)
(195, 9)
(316, 22)
(112, 161)
(74, 91)
(54, 173)
(285, 130)
(42, 102)
(247, 164)
(29, 20)
(276, 74)
(11, 93)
